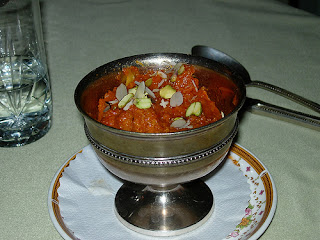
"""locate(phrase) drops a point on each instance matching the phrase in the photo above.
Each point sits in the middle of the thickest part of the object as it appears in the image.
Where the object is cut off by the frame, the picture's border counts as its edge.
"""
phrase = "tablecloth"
(277, 44)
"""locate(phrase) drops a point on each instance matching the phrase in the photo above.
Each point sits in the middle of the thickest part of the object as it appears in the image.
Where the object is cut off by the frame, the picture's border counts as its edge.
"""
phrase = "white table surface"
(276, 43)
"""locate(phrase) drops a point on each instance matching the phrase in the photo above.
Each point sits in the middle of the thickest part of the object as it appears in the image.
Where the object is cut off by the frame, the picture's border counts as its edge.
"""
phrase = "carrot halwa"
(161, 101)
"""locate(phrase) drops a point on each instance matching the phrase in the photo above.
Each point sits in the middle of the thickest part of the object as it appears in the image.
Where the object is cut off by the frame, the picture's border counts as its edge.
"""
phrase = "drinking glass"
(25, 90)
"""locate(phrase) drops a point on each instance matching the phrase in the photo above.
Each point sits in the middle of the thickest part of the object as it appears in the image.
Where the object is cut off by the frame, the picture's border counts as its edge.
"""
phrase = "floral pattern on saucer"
(259, 206)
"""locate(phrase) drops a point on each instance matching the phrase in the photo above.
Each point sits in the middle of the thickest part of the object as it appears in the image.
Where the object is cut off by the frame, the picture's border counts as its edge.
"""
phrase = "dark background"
(312, 6)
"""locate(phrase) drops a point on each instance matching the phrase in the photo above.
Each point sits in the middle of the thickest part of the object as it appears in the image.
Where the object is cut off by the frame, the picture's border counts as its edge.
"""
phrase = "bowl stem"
(164, 211)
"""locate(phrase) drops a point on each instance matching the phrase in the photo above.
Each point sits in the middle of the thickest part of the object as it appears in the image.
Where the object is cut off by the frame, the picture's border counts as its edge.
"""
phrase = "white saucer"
(256, 217)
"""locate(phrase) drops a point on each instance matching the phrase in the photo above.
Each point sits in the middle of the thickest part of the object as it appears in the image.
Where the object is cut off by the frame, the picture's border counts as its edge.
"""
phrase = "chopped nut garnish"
(133, 90)
(121, 91)
(162, 74)
(173, 78)
(125, 100)
(167, 92)
(181, 70)
(194, 109)
(176, 99)
(148, 82)
(140, 91)
(143, 103)
(164, 103)
(108, 106)
(180, 123)
(165, 99)
(176, 69)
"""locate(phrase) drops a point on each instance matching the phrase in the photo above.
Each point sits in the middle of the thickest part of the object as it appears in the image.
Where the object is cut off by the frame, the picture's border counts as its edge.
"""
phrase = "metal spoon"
(255, 104)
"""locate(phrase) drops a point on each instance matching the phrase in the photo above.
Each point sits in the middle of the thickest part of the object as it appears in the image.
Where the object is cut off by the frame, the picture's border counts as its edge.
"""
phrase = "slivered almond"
(176, 99)
(121, 91)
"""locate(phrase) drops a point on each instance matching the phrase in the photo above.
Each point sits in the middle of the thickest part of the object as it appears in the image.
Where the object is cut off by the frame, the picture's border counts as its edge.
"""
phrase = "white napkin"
(87, 191)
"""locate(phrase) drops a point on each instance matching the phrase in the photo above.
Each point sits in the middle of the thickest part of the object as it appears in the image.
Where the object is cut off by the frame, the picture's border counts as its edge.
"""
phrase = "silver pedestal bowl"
(162, 194)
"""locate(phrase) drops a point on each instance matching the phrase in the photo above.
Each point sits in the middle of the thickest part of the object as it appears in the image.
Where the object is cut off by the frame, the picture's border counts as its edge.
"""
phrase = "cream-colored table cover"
(276, 43)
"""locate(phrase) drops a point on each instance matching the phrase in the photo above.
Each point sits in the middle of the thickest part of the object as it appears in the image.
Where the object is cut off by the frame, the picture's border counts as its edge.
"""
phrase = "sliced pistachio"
(190, 109)
(130, 78)
(125, 100)
(133, 90)
(167, 92)
(197, 109)
(143, 103)
(194, 109)
(177, 118)
(181, 70)
(148, 82)
(173, 77)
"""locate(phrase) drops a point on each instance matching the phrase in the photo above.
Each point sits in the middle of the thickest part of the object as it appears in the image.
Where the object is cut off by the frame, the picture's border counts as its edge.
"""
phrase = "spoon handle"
(285, 93)
(281, 113)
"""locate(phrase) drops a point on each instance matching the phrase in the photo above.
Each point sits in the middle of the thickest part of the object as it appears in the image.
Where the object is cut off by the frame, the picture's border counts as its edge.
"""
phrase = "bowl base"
(164, 211)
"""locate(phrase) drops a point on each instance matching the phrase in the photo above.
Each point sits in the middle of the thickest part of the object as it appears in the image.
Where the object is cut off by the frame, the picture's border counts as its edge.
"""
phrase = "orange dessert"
(162, 101)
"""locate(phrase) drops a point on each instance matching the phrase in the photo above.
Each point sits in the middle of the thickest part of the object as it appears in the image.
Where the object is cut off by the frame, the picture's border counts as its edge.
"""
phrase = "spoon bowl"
(259, 106)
